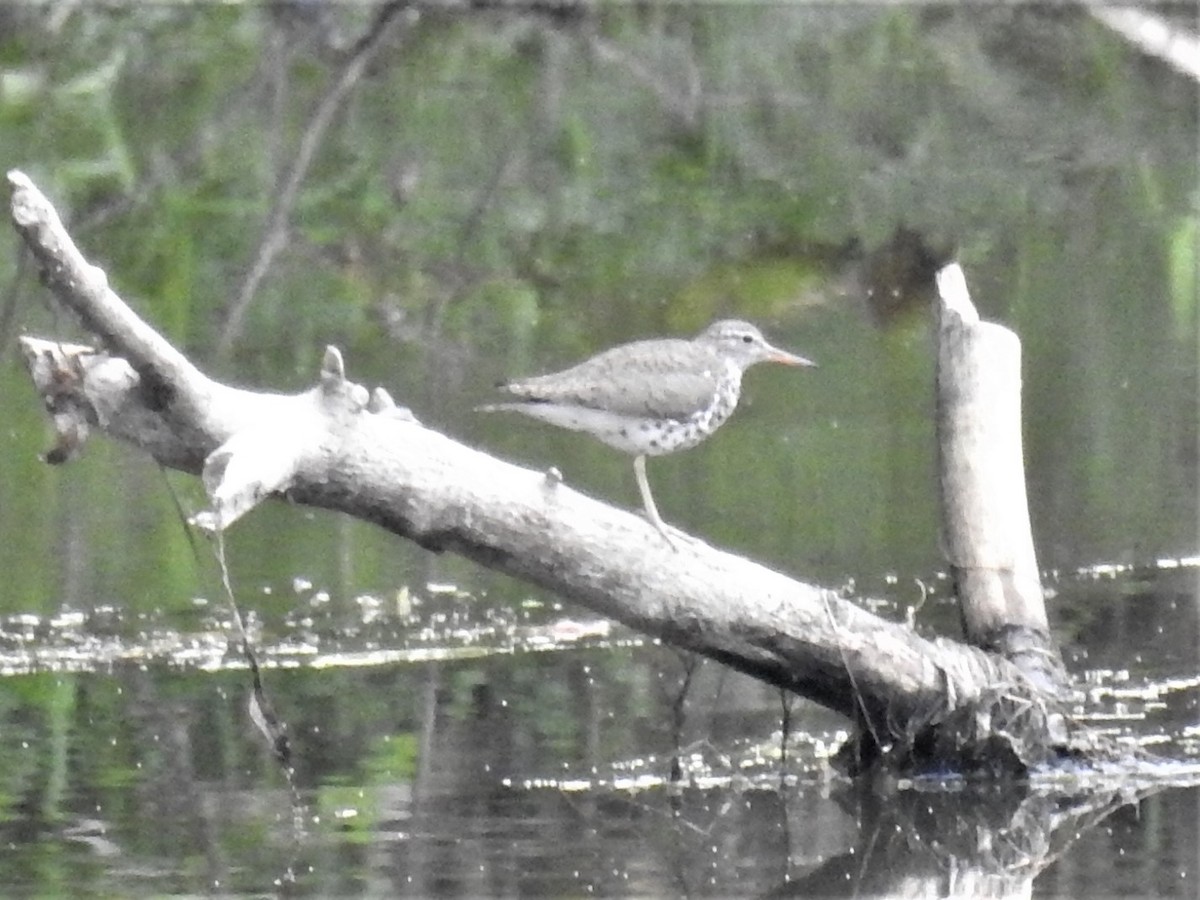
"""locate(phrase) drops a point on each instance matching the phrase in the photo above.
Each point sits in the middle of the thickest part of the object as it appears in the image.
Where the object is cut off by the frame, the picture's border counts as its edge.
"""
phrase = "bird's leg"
(639, 469)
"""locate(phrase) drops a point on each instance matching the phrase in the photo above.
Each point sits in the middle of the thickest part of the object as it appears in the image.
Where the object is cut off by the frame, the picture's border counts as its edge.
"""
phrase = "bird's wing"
(673, 382)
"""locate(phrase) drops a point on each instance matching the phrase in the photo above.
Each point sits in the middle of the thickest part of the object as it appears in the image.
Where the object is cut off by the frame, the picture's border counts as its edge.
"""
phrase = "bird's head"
(744, 345)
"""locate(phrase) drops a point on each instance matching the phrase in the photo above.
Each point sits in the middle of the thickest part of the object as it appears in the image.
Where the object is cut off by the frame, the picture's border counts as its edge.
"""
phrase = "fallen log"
(342, 447)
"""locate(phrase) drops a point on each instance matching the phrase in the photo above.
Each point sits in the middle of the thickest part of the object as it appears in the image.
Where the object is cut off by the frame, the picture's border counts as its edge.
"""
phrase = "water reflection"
(543, 754)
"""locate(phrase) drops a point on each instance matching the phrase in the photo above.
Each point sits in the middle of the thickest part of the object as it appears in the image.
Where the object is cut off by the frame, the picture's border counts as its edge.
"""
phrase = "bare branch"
(275, 232)
(1155, 35)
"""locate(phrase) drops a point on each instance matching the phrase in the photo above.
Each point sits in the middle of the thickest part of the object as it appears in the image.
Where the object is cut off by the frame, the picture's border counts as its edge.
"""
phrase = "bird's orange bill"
(789, 359)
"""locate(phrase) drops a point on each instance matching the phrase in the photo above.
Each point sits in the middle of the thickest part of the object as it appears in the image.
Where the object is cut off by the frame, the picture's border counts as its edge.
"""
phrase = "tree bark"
(987, 534)
(339, 447)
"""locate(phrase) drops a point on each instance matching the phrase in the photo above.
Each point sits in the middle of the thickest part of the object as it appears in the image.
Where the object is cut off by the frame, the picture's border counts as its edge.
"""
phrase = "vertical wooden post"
(987, 537)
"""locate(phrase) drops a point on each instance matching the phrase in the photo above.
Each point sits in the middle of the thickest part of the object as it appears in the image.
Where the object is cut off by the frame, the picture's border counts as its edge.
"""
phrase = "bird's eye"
(747, 339)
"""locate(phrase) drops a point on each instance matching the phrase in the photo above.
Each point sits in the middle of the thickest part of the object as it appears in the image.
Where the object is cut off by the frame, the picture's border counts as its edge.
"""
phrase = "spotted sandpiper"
(649, 398)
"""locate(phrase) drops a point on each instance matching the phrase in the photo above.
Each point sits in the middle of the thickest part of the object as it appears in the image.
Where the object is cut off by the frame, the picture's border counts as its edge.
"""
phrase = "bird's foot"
(674, 537)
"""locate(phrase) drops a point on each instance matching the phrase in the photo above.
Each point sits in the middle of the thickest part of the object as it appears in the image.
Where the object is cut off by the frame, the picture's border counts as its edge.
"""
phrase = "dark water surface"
(444, 748)
(502, 194)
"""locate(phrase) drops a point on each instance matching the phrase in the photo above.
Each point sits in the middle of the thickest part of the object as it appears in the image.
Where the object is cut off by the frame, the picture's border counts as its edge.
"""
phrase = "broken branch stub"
(263, 460)
(987, 535)
(83, 387)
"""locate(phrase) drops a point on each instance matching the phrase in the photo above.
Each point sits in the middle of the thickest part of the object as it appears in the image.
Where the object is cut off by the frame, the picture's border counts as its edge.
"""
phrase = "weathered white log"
(987, 535)
(374, 461)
